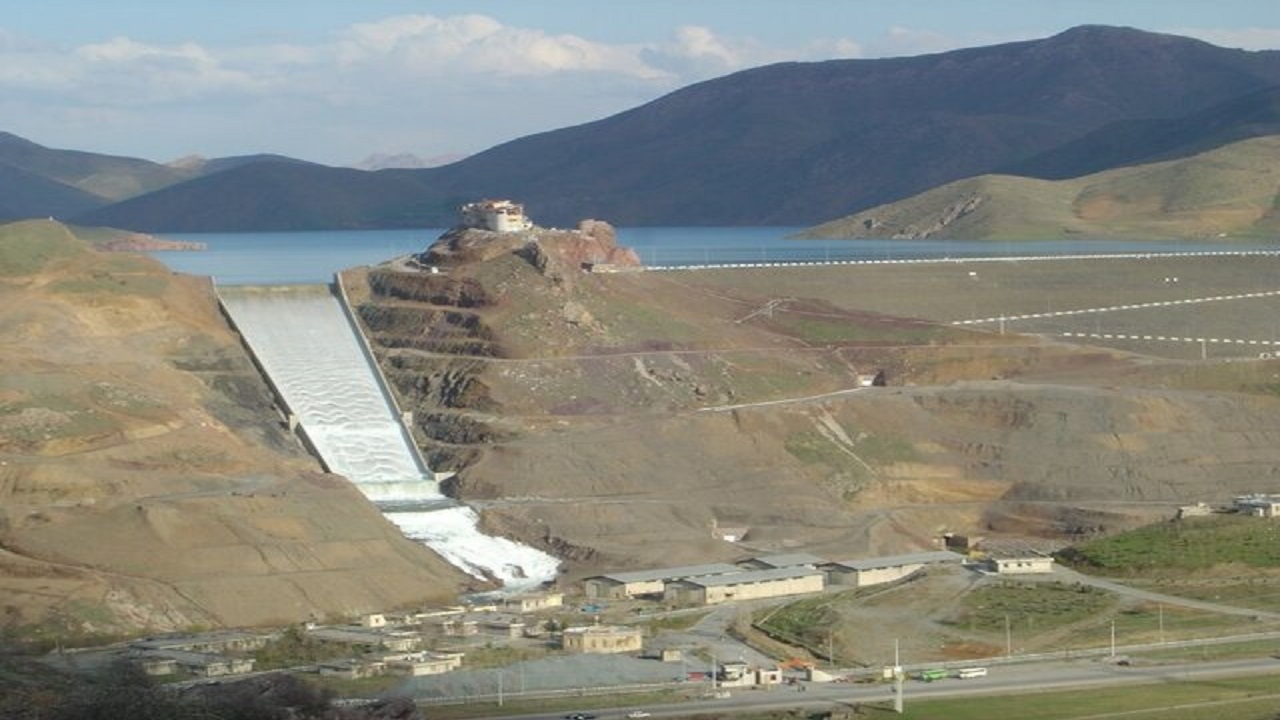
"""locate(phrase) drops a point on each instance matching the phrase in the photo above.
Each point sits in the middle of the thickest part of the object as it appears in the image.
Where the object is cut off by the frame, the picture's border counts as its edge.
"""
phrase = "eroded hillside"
(146, 482)
(618, 418)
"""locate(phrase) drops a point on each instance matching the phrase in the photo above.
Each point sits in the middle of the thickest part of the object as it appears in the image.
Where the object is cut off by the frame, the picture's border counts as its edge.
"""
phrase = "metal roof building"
(744, 585)
(648, 582)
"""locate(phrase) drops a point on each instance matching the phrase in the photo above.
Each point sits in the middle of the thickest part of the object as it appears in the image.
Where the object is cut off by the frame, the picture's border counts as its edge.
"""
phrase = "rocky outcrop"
(433, 289)
(553, 252)
(921, 228)
(431, 329)
(593, 243)
(143, 242)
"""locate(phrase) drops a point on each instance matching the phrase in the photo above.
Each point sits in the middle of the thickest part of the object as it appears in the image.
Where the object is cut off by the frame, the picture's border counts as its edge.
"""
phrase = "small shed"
(601, 639)
(1258, 505)
(876, 571)
(1022, 564)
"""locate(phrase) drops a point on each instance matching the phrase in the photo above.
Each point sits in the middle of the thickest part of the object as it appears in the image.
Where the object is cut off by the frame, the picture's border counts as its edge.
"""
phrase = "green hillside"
(28, 247)
(1227, 192)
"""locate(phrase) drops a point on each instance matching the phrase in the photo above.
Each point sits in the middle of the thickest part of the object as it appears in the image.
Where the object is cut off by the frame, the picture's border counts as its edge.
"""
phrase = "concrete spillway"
(310, 352)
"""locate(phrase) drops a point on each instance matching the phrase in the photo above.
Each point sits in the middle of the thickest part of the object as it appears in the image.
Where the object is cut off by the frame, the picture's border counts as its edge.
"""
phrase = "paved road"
(712, 632)
(1000, 681)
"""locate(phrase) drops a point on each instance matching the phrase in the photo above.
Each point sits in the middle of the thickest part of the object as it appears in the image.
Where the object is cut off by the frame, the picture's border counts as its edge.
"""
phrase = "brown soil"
(146, 482)
(626, 415)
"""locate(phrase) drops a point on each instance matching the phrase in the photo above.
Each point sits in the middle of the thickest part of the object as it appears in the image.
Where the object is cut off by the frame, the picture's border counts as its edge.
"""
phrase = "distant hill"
(196, 166)
(278, 196)
(1133, 142)
(25, 195)
(38, 182)
(1228, 191)
(791, 143)
(106, 176)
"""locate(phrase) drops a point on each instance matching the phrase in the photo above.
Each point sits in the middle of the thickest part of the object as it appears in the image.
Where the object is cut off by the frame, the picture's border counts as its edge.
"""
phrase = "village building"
(740, 674)
(1198, 510)
(648, 582)
(368, 639)
(533, 602)
(421, 663)
(786, 560)
(1020, 564)
(744, 585)
(457, 626)
(202, 664)
(507, 627)
(601, 639)
(216, 641)
(1258, 505)
(876, 571)
(154, 665)
(495, 216)
(731, 533)
(349, 668)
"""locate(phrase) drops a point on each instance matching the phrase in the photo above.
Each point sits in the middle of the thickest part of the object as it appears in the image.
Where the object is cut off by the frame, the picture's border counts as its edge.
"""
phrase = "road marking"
(1162, 338)
(1114, 308)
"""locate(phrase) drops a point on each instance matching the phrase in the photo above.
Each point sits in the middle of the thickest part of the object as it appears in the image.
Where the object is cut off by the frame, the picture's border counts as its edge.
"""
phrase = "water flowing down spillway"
(311, 353)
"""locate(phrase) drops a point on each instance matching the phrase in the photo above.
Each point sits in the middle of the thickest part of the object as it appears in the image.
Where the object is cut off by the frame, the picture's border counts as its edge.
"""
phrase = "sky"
(333, 81)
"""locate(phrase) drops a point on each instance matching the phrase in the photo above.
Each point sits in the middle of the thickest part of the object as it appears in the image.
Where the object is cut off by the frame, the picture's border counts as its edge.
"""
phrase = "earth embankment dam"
(312, 355)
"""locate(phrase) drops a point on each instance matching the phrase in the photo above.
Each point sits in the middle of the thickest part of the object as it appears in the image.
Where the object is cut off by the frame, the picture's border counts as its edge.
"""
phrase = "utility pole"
(1113, 637)
(499, 687)
(1160, 607)
(897, 679)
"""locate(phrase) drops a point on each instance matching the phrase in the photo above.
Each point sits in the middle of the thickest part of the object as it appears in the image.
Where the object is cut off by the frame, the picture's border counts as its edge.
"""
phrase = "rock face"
(612, 419)
(146, 482)
(551, 251)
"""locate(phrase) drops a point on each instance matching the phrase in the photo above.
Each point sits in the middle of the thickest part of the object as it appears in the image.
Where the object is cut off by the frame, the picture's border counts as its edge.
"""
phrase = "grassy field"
(803, 623)
(1176, 547)
(946, 292)
(1031, 607)
(1249, 698)
(1253, 698)
(27, 247)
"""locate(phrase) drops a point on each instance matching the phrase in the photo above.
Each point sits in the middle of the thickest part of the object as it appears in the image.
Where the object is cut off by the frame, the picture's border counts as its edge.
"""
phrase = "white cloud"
(417, 83)
(475, 44)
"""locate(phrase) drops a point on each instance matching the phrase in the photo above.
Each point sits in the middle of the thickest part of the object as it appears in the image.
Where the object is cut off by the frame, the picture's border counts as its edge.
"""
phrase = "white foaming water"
(304, 341)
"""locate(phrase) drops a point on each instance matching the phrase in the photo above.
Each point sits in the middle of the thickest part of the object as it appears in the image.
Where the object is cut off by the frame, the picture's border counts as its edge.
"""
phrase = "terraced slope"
(617, 419)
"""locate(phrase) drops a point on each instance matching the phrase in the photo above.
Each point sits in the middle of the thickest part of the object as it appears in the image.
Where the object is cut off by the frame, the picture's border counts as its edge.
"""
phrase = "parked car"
(638, 714)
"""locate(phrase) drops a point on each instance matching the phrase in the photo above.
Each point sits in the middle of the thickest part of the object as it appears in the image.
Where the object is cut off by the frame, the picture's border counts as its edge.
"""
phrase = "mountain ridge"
(785, 144)
(1225, 192)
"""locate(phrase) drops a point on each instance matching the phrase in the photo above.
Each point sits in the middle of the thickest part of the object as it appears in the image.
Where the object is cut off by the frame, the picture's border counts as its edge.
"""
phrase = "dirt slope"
(145, 481)
(616, 419)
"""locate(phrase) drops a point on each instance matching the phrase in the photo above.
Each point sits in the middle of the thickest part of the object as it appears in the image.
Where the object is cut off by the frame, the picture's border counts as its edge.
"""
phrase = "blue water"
(313, 257)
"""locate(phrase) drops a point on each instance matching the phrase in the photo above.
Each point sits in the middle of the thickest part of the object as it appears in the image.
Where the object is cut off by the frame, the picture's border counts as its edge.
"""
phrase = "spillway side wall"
(289, 415)
(403, 418)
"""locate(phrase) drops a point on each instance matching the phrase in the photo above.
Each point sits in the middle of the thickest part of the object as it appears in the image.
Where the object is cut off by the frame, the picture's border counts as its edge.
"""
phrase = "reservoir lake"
(291, 258)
